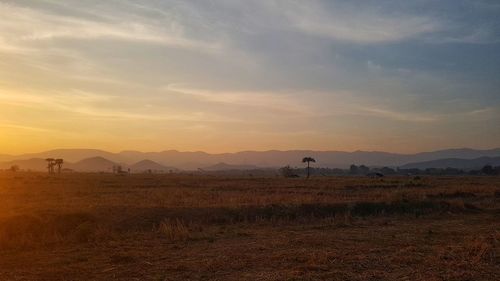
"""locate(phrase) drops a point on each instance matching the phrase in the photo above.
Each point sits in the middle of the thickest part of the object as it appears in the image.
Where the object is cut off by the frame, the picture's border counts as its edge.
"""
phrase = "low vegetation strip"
(216, 215)
(84, 227)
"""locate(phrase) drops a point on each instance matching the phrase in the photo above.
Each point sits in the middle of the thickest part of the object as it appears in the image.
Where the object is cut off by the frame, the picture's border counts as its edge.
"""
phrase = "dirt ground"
(193, 227)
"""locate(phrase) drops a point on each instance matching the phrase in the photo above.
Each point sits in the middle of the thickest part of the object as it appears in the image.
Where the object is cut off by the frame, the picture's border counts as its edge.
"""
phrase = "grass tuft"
(174, 229)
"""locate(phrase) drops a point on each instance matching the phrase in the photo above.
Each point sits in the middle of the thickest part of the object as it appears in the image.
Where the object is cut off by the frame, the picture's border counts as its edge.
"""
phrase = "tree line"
(362, 170)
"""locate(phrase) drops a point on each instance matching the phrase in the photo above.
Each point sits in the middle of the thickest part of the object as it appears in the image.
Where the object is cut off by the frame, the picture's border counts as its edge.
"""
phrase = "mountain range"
(166, 160)
(92, 164)
(226, 167)
(465, 164)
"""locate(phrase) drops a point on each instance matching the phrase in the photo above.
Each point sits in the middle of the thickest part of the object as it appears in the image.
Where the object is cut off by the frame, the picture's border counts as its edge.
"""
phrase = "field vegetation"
(213, 227)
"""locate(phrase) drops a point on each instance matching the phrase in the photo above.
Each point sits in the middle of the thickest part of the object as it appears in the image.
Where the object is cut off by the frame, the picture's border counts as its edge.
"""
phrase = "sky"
(225, 75)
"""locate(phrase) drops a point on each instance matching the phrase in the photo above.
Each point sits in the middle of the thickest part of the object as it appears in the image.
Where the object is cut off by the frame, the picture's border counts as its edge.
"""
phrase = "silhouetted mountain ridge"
(93, 164)
(465, 164)
(6, 157)
(34, 164)
(271, 158)
(226, 167)
(148, 165)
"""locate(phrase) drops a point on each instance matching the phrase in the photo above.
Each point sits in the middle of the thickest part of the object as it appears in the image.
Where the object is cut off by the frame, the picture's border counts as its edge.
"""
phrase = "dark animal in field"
(375, 175)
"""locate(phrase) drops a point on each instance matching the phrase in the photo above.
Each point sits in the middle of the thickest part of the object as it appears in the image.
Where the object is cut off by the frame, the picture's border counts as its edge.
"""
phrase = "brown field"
(193, 227)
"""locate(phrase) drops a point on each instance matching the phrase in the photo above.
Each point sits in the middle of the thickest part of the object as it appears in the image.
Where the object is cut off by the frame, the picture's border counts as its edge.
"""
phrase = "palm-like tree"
(50, 165)
(59, 163)
(308, 160)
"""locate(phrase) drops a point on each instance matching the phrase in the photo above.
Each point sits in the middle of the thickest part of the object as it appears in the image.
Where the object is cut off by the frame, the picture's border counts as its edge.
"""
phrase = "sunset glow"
(223, 76)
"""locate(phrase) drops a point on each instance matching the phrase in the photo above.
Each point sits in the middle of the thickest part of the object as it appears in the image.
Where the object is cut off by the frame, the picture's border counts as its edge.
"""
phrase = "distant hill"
(34, 164)
(5, 157)
(93, 164)
(227, 167)
(461, 153)
(146, 165)
(466, 164)
(263, 159)
(70, 155)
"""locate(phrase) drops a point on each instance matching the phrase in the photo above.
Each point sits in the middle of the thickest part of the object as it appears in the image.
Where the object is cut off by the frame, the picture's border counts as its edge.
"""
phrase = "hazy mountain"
(461, 153)
(226, 167)
(6, 157)
(466, 164)
(70, 155)
(275, 158)
(272, 158)
(93, 164)
(184, 160)
(34, 164)
(146, 165)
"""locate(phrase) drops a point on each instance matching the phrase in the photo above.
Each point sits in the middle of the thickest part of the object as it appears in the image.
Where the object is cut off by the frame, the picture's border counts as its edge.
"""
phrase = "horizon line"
(242, 151)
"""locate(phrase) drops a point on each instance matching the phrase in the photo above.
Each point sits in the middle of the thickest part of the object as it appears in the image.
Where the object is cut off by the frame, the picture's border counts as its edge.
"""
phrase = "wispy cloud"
(94, 106)
(281, 102)
(23, 25)
(478, 35)
(358, 24)
(399, 116)
(23, 127)
(280, 67)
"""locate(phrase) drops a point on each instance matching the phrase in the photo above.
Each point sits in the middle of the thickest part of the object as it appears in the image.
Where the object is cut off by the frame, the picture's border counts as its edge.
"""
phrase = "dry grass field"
(194, 227)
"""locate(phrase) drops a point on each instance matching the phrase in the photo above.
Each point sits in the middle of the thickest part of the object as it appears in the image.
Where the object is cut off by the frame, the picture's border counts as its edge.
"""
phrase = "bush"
(174, 229)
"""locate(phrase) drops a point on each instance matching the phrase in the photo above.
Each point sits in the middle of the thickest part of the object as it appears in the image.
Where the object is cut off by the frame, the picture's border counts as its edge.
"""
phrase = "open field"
(193, 227)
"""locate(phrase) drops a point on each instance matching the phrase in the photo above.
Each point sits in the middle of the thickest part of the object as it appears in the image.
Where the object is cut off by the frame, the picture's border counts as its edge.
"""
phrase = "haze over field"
(99, 160)
(226, 76)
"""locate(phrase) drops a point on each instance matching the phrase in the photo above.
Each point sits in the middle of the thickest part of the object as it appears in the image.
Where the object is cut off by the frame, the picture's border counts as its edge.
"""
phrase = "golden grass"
(174, 229)
(244, 228)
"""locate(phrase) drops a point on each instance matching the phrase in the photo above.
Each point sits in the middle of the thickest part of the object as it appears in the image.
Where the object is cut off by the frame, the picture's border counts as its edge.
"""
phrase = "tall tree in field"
(308, 160)
(59, 163)
(50, 165)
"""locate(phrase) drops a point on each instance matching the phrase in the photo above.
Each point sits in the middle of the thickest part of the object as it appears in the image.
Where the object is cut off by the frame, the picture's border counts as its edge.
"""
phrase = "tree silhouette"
(363, 169)
(50, 165)
(308, 160)
(353, 170)
(14, 168)
(59, 163)
(287, 172)
(488, 170)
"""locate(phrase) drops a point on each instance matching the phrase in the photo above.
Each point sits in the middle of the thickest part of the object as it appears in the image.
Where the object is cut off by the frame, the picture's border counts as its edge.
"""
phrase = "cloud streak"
(32, 26)
(360, 25)
(280, 102)
(226, 69)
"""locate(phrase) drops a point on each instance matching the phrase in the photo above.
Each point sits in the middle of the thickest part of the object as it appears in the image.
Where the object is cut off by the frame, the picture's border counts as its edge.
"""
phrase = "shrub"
(174, 229)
